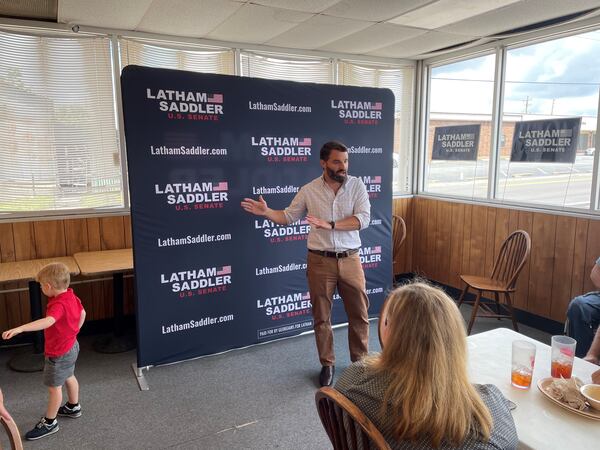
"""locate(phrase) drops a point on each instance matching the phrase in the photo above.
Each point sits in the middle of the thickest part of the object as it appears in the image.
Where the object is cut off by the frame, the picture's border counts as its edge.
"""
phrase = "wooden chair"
(511, 259)
(14, 436)
(380, 322)
(345, 424)
(398, 235)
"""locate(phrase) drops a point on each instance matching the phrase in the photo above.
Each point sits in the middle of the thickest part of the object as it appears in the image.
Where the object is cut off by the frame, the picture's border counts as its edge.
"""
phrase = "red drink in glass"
(560, 369)
(520, 379)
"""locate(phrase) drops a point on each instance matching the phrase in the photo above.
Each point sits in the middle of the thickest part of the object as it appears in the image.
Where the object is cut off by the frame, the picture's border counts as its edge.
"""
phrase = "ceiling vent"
(46, 10)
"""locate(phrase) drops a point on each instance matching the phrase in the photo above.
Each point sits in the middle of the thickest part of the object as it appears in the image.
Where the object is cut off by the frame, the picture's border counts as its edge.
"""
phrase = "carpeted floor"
(261, 397)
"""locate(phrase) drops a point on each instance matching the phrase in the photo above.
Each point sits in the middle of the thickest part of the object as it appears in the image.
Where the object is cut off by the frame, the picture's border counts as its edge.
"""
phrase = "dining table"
(540, 422)
(115, 263)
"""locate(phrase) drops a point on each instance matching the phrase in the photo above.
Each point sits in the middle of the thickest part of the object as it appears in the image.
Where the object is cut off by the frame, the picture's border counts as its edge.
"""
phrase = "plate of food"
(565, 393)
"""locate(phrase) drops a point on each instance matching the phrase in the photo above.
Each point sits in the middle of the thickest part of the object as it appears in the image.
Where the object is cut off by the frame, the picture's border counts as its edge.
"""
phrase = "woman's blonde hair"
(56, 274)
(425, 356)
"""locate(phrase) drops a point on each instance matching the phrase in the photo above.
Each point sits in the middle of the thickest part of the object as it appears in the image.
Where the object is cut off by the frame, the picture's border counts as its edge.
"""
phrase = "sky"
(560, 77)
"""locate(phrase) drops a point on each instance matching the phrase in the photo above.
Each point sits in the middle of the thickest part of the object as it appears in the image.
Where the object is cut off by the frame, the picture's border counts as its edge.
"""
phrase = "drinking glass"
(523, 360)
(563, 353)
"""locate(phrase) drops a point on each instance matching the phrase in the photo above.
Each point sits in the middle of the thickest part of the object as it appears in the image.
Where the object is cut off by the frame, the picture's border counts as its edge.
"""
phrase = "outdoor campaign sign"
(210, 276)
(552, 140)
(457, 143)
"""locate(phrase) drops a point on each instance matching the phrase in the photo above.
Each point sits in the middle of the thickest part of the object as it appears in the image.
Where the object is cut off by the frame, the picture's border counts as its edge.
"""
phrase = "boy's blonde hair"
(56, 274)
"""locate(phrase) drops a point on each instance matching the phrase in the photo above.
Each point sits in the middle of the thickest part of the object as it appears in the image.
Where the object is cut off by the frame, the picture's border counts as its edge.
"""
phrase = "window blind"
(401, 80)
(161, 55)
(58, 140)
(283, 67)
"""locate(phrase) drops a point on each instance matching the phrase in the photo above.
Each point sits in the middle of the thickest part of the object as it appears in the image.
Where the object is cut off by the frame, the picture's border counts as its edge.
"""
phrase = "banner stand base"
(139, 375)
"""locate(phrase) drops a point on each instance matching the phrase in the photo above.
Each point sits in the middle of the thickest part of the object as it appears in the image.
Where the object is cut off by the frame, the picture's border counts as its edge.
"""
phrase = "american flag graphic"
(215, 98)
(565, 133)
(376, 179)
(306, 296)
(303, 222)
(376, 249)
(305, 141)
(225, 270)
(377, 106)
(222, 186)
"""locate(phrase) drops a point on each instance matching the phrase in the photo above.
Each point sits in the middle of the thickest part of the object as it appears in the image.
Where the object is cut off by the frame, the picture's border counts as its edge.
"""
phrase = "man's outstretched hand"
(318, 223)
(258, 208)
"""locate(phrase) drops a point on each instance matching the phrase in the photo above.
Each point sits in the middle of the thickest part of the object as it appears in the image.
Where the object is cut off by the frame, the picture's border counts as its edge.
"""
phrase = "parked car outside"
(590, 151)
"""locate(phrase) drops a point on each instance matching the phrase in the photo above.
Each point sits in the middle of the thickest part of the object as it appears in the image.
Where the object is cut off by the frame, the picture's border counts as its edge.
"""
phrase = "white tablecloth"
(541, 424)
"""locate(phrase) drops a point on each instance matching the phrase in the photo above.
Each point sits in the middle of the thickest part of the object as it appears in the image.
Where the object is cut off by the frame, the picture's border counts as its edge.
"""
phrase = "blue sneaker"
(42, 429)
(73, 413)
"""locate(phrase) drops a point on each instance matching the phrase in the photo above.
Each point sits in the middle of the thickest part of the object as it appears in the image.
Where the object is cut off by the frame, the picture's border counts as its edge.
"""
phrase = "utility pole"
(552, 107)
(527, 105)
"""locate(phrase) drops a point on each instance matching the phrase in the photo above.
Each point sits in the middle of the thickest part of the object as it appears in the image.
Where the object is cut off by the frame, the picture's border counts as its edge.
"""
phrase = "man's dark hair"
(331, 145)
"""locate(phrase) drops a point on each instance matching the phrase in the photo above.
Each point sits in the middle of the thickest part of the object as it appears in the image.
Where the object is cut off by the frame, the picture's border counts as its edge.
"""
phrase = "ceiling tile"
(374, 10)
(518, 15)
(318, 31)
(193, 18)
(311, 6)
(444, 12)
(426, 43)
(257, 24)
(106, 14)
(374, 37)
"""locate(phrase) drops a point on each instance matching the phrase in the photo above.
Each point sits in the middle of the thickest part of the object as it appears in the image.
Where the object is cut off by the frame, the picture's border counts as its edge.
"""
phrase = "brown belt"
(336, 255)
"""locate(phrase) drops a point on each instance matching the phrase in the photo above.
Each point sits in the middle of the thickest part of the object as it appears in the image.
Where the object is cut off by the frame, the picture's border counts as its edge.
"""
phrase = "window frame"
(29, 28)
(501, 48)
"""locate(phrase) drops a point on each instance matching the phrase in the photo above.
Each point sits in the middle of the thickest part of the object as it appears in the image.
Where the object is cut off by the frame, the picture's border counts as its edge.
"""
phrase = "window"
(161, 55)
(285, 67)
(544, 82)
(57, 125)
(459, 128)
(401, 80)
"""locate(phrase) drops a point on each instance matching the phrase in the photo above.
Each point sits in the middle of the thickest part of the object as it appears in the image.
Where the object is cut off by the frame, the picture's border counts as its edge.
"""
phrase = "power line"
(577, 83)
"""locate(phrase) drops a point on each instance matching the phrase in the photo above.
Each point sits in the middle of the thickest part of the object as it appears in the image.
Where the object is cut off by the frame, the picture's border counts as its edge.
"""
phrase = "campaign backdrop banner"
(553, 140)
(457, 143)
(209, 276)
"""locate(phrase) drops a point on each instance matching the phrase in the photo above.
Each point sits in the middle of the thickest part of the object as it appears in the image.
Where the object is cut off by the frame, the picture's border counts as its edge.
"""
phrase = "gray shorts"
(57, 370)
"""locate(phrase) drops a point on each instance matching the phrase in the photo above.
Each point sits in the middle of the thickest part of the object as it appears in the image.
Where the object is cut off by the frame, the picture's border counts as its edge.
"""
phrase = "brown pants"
(324, 275)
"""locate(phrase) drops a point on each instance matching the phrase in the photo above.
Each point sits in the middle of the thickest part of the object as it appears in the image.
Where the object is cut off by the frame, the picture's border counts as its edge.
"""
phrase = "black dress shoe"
(326, 377)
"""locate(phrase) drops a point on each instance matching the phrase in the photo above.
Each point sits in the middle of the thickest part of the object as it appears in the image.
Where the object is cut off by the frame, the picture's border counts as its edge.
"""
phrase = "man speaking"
(336, 206)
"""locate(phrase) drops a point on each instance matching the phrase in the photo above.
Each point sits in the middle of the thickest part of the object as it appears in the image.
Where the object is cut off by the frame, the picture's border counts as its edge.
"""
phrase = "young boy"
(64, 317)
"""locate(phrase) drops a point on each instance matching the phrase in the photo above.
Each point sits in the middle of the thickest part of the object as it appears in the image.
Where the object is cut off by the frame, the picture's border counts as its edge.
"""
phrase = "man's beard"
(338, 176)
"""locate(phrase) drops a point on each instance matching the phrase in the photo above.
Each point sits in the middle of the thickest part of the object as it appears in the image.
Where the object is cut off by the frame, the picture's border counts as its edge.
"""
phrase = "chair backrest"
(511, 258)
(398, 234)
(333, 408)
(381, 320)
(13, 434)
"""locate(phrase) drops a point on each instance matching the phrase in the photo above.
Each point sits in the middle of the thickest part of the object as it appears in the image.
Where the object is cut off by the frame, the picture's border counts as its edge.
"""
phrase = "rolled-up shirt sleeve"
(297, 208)
(362, 207)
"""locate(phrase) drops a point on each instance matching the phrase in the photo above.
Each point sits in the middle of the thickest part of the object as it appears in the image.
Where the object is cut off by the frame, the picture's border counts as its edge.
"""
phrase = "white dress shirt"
(318, 199)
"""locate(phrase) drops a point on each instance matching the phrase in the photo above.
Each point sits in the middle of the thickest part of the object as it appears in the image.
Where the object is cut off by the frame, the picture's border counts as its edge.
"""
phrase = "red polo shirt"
(66, 310)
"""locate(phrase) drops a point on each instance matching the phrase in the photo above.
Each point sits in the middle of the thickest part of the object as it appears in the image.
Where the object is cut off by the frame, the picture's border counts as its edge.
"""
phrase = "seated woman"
(417, 391)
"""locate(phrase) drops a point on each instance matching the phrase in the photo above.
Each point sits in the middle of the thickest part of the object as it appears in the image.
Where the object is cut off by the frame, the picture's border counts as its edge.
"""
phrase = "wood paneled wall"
(450, 239)
(444, 239)
(20, 241)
